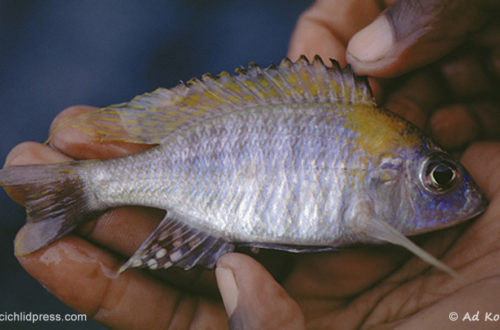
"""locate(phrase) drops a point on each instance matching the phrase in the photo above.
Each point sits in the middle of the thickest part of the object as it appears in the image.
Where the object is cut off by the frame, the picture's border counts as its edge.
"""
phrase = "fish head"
(417, 192)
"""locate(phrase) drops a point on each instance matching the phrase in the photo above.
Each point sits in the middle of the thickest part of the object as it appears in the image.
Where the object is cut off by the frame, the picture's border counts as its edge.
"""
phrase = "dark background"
(54, 54)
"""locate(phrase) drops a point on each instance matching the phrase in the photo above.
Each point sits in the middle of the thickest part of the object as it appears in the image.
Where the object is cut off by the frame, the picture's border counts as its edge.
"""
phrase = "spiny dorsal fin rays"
(149, 118)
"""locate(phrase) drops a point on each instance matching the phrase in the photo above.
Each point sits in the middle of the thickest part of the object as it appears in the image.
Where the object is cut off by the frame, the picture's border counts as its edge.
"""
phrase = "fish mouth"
(479, 209)
(476, 211)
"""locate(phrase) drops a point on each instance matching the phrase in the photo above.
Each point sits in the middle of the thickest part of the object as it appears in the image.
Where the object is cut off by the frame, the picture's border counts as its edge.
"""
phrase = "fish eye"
(440, 175)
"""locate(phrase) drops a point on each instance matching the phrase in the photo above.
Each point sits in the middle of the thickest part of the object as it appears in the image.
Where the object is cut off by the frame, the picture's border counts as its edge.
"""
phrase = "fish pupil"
(443, 176)
(439, 174)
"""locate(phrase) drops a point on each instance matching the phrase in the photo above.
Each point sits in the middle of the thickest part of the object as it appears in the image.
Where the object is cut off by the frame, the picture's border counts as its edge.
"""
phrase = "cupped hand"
(358, 287)
(81, 269)
(444, 53)
(447, 88)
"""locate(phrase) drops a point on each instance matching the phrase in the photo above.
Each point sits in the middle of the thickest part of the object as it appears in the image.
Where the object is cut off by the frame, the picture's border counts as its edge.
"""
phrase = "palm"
(454, 98)
(383, 286)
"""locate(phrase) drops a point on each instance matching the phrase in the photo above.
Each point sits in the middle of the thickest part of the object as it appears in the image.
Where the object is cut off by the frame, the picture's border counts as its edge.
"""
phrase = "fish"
(295, 157)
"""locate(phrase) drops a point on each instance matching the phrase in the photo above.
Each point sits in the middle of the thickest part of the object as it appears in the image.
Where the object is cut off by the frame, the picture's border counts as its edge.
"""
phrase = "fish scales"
(250, 170)
(296, 157)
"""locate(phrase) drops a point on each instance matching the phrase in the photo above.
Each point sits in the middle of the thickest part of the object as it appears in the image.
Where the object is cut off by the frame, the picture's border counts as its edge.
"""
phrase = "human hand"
(362, 286)
(81, 268)
(448, 53)
(339, 289)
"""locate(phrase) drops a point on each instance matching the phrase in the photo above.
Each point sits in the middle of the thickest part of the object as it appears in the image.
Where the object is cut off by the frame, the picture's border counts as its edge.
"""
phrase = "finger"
(79, 145)
(453, 126)
(33, 153)
(319, 276)
(326, 26)
(494, 60)
(465, 77)
(410, 34)
(482, 160)
(124, 229)
(252, 298)
(487, 115)
(132, 223)
(414, 97)
(478, 247)
(30, 153)
(121, 230)
(84, 277)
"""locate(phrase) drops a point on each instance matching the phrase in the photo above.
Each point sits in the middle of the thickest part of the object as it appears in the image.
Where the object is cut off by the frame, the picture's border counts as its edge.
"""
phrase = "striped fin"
(175, 243)
(55, 202)
(149, 118)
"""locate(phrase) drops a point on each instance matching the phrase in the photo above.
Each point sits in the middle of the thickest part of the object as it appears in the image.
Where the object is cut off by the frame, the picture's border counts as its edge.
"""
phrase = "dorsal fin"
(149, 118)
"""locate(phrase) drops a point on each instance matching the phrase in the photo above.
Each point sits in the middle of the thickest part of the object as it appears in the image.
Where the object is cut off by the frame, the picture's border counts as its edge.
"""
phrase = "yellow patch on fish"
(379, 133)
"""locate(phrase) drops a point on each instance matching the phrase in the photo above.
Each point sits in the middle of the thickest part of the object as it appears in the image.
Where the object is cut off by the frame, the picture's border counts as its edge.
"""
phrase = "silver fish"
(296, 157)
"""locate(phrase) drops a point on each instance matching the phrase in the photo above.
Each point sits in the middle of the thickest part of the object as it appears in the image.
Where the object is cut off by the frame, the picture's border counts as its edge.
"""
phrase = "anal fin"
(174, 243)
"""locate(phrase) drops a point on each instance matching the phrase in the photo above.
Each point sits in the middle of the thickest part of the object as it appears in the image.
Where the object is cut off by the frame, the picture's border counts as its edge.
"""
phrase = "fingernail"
(373, 42)
(228, 288)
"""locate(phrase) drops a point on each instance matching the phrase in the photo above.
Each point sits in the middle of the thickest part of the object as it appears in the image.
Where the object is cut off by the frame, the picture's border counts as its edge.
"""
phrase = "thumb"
(410, 34)
(252, 298)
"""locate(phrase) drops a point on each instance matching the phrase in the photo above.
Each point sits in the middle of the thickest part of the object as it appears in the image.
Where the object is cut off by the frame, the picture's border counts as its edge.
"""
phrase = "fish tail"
(54, 199)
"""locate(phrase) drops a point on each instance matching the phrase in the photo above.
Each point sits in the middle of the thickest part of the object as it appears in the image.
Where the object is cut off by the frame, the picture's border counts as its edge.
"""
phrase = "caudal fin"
(54, 199)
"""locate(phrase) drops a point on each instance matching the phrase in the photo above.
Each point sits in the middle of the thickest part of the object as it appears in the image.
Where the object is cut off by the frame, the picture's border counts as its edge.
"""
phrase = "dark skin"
(444, 80)
(366, 286)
